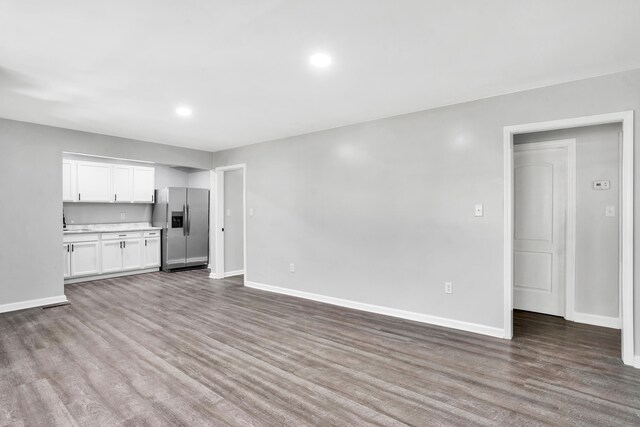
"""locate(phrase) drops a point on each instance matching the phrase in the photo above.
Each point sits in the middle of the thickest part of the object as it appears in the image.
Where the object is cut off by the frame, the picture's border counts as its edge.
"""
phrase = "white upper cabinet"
(69, 193)
(94, 182)
(122, 183)
(143, 184)
(106, 183)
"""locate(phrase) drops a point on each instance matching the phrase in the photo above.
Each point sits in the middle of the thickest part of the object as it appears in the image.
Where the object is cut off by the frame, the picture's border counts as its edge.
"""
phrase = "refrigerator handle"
(184, 220)
(188, 220)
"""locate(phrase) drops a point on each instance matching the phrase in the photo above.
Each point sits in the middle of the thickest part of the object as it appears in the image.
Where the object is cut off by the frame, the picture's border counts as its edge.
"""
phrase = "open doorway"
(569, 222)
(230, 222)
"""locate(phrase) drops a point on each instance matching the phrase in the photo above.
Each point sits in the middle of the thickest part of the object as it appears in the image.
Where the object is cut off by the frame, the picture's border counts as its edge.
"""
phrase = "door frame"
(570, 235)
(217, 196)
(626, 214)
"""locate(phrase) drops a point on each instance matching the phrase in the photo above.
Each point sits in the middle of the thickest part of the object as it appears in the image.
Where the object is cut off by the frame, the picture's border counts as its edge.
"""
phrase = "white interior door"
(541, 185)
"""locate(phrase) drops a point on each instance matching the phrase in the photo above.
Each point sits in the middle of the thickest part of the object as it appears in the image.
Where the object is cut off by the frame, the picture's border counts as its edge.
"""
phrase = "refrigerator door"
(175, 233)
(197, 226)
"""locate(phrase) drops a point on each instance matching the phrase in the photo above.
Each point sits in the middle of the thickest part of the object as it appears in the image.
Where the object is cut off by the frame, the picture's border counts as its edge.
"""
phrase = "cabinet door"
(143, 184)
(151, 251)
(68, 181)
(66, 259)
(111, 256)
(85, 258)
(132, 254)
(122, 183)
(94, 182)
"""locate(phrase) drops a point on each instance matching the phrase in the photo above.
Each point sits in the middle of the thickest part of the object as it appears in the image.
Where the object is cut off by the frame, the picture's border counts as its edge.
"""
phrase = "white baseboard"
(409, 315)
(4, 308)
(233, 273)
(593, 319)
(213, 275)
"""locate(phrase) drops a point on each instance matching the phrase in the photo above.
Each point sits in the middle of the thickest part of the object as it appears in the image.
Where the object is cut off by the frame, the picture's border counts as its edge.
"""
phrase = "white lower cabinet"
(131, 254)
(111, 256)
(108, 253)
(85, 258)
(66, 257)
(151, 252)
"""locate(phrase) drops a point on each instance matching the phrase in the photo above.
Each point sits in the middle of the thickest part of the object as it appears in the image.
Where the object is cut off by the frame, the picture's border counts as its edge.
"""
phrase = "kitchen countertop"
(108, 228)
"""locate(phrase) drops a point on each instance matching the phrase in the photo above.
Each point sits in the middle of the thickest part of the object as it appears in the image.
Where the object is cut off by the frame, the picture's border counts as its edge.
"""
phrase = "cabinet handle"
(71, 248)
(120, 245)
(125, 244)
(78, 196)
(67, 248)
(115, 197)
(145, 242)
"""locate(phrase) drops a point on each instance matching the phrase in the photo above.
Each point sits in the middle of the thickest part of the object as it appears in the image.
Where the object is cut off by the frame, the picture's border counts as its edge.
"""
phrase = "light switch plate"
(478, 210)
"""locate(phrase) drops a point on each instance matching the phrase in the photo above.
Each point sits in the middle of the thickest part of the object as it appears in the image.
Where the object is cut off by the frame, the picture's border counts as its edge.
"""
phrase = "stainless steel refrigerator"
(183, 214)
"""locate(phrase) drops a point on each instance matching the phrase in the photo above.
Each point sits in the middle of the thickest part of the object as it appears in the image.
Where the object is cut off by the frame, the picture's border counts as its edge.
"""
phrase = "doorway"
(230, 222)
(625, 233)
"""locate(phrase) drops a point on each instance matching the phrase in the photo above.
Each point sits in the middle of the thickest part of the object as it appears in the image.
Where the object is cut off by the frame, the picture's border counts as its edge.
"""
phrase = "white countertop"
(108, 228)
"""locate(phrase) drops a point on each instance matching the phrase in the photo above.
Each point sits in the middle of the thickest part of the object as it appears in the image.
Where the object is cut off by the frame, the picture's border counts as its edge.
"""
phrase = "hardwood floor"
(181, 349)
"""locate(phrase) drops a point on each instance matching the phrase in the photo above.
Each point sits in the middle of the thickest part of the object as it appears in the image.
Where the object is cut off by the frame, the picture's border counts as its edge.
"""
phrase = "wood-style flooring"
(182, 349)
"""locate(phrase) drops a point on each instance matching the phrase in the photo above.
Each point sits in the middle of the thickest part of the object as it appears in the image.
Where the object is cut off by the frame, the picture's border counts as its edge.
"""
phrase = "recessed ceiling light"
(320, 60)
(184, 111)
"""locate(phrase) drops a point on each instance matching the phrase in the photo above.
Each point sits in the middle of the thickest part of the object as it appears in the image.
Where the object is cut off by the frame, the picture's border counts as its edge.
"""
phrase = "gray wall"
(382, 212)
(233, 229)
(200, 180)
(31, 177)
(597, 236)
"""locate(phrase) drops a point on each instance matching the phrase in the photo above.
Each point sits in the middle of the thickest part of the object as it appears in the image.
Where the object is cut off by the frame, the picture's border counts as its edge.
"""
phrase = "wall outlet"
(448, 287)
(123, 215)
(292, 268)
(478, 210)
(250, 211)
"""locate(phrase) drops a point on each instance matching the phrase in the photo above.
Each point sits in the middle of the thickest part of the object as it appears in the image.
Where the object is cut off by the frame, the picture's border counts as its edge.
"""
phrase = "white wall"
(31, 184)
(382, 212)
(233, 221)
(597, 236)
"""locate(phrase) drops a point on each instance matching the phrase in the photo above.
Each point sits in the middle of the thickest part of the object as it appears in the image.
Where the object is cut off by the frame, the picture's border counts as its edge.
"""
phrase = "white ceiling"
(120, 67)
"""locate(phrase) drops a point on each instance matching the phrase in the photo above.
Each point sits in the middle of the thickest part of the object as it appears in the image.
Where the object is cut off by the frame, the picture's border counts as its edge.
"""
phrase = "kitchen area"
(123, 217)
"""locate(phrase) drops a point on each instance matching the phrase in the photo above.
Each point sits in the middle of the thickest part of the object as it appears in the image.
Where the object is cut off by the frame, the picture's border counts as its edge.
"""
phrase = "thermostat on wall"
(601, 185)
